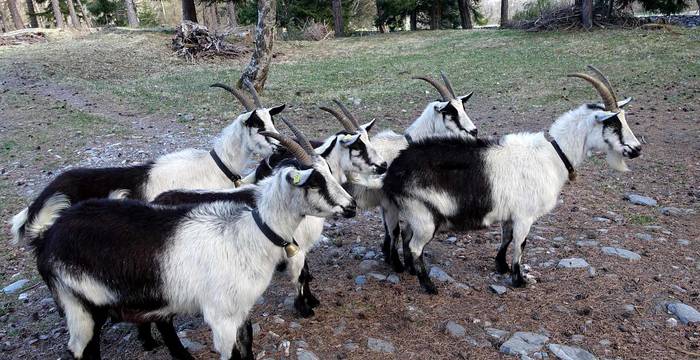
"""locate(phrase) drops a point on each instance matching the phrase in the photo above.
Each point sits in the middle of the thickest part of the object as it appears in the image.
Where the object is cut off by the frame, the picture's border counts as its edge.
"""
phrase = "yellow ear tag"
(347, 137)
(296, 178)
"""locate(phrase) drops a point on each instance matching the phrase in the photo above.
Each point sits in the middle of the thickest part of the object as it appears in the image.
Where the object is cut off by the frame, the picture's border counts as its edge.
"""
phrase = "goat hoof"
(502, 267)
(518, 280)
(150, 345)
(303, 308)
(429, 287)
(312, 301)
(397, 266)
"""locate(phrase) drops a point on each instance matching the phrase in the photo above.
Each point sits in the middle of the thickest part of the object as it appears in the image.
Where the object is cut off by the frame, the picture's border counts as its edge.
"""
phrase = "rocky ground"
(616, 263)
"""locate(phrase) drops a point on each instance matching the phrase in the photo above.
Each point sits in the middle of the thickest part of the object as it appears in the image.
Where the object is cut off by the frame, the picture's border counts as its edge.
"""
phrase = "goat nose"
(381, 168)
(474, 132)
(350, 211)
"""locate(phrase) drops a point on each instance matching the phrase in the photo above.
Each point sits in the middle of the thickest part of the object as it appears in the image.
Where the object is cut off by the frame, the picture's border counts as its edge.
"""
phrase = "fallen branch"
(686, 352)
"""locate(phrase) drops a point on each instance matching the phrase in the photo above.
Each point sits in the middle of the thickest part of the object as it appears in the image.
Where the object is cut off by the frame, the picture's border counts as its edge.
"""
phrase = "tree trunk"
(464, 14)
(2, 21)
(33, 22)
(257, 69)
(14, 13)
(189, 12)
(131, 13)
(86, 14)
(231, 11)
(504, 13)
(611, 6)
(414, 20)
(57, 13)
(587, 13)
(698, 1)
(337, 17)
(436, 15)
(74, 22)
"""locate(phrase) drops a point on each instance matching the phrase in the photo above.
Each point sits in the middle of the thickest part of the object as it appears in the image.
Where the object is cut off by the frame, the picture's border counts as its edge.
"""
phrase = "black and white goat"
(469, 184)
(149, 262)
(186, 169)
(446, 119)
(345, 152)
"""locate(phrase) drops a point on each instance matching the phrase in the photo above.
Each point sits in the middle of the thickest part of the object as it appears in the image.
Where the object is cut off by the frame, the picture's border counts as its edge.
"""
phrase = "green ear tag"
(296, 179)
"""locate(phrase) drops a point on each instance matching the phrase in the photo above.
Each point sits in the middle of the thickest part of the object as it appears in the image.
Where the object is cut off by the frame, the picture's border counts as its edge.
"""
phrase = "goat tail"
(48, 214)
(119, 194)
(18, 224)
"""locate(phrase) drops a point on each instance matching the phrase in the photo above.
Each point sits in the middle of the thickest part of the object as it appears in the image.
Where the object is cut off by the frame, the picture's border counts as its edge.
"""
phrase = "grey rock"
(623, 253)
(572, 263)
(591, 272)
(454, 329)
(306, 355)
(523, 343)
(540, 355)
(370, 255)
(15, 286)
(260, 300)
(188, 117)
(671, 322)
(676, 212)
(451, 240)
(440, 275)
(368, 265)
(558, 238)
(628, 310)
(476, 342)
(565, 352)
(644, 236)
(256, 329)
(23, 297)
(393, 278)
(498, 289)
(683, 242)
(379, 345)
(358, 251)
(685, 313)
(640, 200)
(191, 345)
(578, 338)
(350, 346)
(586, 243)
(377, 276)
(301, 344)
(294, 325)
(46, 302)
(360, 280)
(496, 334)
(605, 343)
(601, 219)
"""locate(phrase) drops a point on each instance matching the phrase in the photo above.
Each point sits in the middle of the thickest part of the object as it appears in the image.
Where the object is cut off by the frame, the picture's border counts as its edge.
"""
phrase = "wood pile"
(22, 38)
(193, 40)
(569, 18)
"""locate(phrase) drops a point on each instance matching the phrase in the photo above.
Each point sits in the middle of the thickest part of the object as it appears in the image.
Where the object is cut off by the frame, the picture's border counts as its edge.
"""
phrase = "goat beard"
(617, 161)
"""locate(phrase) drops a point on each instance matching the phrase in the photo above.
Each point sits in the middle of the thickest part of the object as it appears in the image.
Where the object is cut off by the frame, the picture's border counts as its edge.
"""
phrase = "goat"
(213, 258)
(188, 168)
(346, 151)
(470, 184)
(446, 118)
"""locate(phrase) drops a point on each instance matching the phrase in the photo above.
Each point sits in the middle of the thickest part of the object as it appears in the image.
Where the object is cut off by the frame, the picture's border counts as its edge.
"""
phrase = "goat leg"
(145, 337)
(172, 341)
(506, 238)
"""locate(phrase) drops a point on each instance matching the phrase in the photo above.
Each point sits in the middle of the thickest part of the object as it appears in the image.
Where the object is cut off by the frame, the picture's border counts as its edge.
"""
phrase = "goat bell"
(291, 250)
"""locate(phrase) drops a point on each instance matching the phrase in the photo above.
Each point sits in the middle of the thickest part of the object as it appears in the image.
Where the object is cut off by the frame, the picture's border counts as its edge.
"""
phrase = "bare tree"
(259, 66)
(14, 13)
(414, 20)
(504, 13)
(86, 14)
(31, 11)
(189, 11)
(57, 13)
(587, 13)
(231, 12)
(73, 16)
(436, 15)
(337, 9)
(131, 13)
(465, 14)
(2, 21)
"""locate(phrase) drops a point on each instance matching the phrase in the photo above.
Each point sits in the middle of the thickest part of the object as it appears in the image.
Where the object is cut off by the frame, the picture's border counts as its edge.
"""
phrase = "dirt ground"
(577, 307)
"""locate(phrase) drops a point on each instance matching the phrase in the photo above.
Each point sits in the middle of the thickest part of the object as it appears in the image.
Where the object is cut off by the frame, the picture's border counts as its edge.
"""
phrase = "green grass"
(639, 219)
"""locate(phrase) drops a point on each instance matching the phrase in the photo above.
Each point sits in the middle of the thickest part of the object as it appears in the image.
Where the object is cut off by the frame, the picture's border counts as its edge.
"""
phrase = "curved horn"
(253, 93)
(604, 79)
(343, 121)
(239, 95)
(292, 146)
(608, 99)
(439, 87)
(348, 114)
(448, 84)
(303, 141)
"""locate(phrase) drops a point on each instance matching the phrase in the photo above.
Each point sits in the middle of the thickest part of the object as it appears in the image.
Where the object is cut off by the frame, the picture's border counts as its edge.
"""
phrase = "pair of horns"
(256, 104)
(445, 90)
(301, 149)
(602, 85)
(348, 121)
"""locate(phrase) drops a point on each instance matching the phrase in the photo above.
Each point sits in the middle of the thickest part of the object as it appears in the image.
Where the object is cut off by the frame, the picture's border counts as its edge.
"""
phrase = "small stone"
(260, 301)
(523, 343)
(188, 117)
(602, 219)
(496, 334)
(191, 345)
(644, 236)
(623, 253)
(640, 200)
(23, 296)
(294, 325)
(358, 251)
(628, 310)
(683, 242)
(393, 278)
(540, 355)
(685, 313)
(301, 344)
(360, 280)
(578, 338)
(368, 265)
(564, 352)
(676, 212)
(454, 329)
(277, 320)
(440, 275)
(46, 302)
(558, 238)
(586, 243)
(604, 343)
(671, 322)
(572, 263)
(377, 276)
(498, 289)
(379, 345)
(306, 355)
(350, 346)
(370, 255)
(15, 286)
(451, 240)
(256, 329)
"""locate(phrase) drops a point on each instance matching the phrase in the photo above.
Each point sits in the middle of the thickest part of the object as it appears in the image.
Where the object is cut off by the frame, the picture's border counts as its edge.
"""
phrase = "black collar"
(269, 233)
(235, 178)
(408, 138)
(565, 160)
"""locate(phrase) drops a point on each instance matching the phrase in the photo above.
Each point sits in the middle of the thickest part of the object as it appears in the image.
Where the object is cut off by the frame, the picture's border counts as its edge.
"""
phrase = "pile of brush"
(568, 17)
(22, 37)
(193, 40)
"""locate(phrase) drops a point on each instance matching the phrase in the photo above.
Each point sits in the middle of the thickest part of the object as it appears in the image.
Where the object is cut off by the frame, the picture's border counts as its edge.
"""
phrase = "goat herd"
(186, 234)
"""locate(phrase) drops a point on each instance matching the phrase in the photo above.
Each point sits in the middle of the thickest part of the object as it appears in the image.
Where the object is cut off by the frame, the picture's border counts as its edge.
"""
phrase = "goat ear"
(624, 102)
(277, 109)
(254, 120)
(347, 140)
(604, 115)
(439, 107)
(299, 177)
(368, 126)
(465, 98)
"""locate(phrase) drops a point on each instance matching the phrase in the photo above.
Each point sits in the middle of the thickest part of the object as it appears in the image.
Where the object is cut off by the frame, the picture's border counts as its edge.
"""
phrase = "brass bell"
(291, 250)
